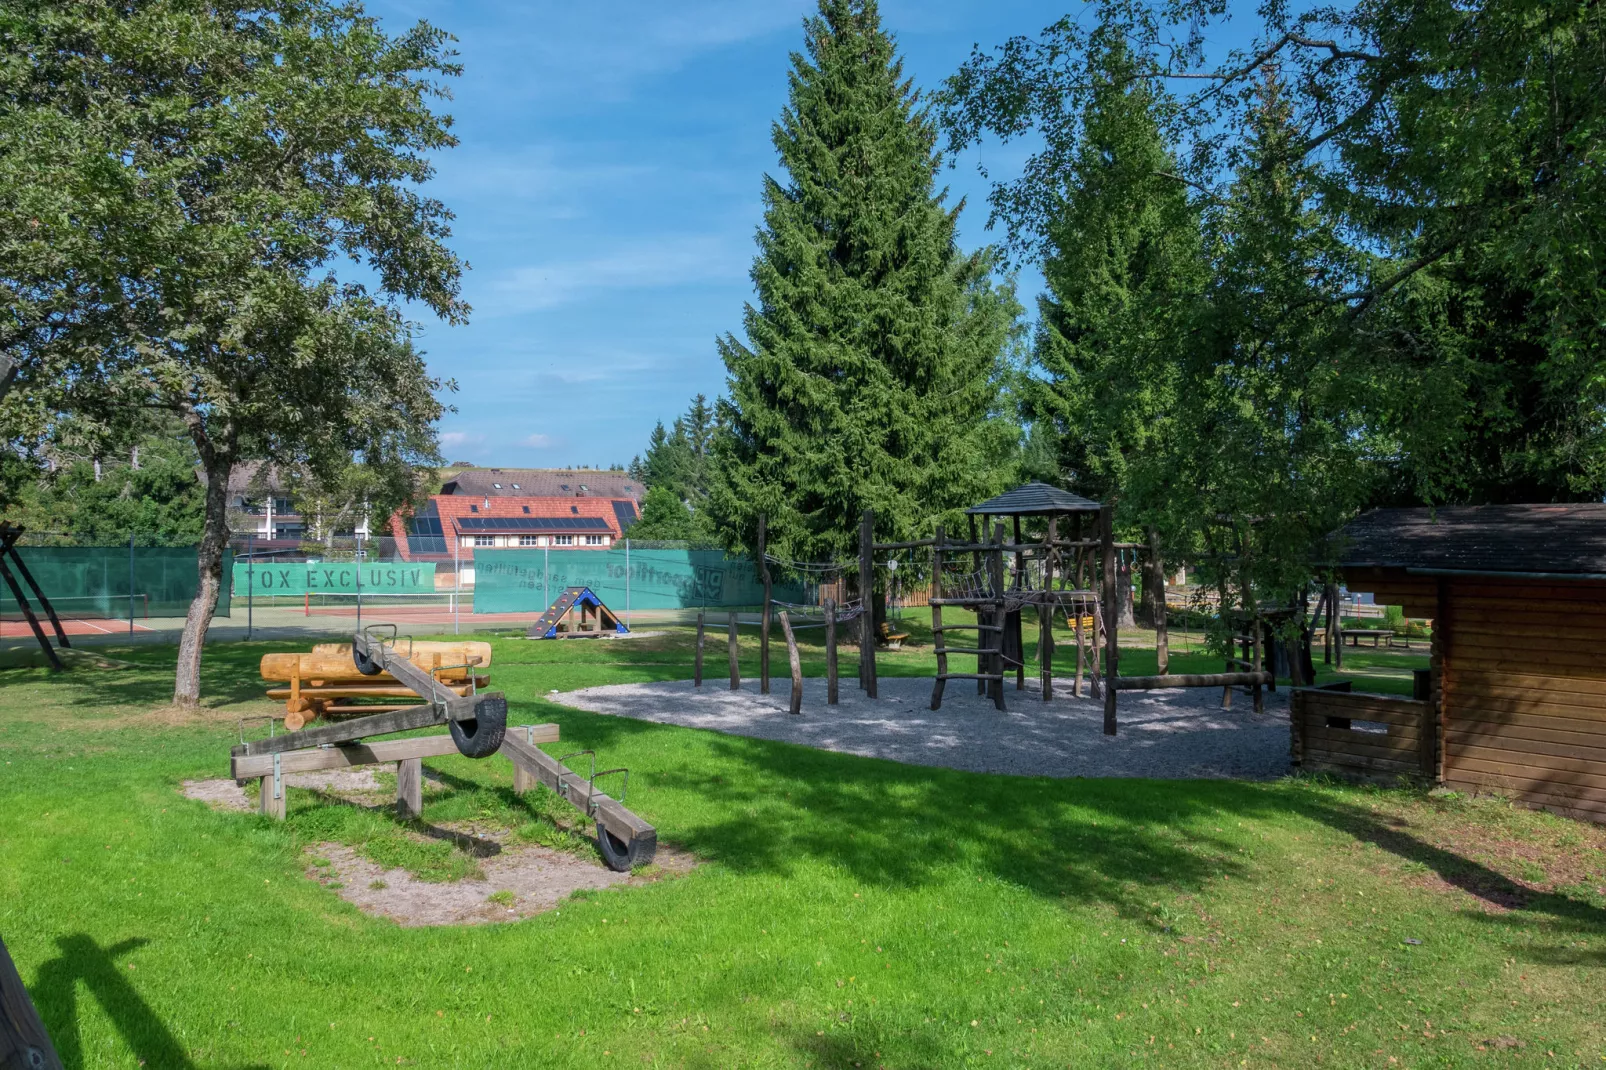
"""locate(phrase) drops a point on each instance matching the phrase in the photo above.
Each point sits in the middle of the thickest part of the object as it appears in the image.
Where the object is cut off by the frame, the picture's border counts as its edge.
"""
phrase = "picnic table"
(1355, 635)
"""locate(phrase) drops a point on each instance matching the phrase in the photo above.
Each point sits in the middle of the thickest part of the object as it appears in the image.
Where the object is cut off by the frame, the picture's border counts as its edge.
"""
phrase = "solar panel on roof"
(533, 523)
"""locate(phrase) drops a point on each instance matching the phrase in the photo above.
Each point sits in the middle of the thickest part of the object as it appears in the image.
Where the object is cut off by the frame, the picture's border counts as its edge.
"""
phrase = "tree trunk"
(1154, 600)
(1123, 590)
(209, 569)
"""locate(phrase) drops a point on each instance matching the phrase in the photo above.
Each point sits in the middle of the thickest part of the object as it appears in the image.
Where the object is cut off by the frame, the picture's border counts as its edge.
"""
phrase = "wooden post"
(409, 788)
(523, 779)
(730, 643)
(995, 581)
(1045, 617)
(1111, 636)
(697, 677)
(1017, 626)
(796, 664)
(23, 1040)
(1162, 632)
(1433, 721)
(938, 636)
(1080, 584)
(267, 805)
(830, 652)
(981, 616)
(867, 581)
(764, 624)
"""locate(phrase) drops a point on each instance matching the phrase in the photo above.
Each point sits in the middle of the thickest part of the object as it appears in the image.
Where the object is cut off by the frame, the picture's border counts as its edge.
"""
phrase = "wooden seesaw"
(477, 729)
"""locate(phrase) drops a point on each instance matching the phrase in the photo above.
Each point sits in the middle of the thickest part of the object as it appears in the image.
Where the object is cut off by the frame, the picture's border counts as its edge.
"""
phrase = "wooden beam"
(23, 1040)
(313, 759)
(796, 665)
(27, 612)
(1203, 679)
(995, 579)
(577, 791)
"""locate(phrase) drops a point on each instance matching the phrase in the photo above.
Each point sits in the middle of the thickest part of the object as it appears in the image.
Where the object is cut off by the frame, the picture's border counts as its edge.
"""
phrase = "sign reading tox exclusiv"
(336, 577)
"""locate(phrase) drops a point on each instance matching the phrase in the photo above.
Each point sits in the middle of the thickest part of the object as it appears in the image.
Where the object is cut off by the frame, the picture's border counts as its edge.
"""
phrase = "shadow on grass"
(1517, 906)
(56, 996)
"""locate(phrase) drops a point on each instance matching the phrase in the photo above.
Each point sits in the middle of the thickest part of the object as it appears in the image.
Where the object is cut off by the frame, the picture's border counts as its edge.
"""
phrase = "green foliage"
(193, 177)
(664, 517)
(1396, 298)
(680, 460)
(1122, 245)
(873, 361)
(160, 502)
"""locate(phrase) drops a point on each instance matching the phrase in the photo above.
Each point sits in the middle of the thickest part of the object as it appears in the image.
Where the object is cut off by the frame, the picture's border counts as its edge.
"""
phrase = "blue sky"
(607, 191)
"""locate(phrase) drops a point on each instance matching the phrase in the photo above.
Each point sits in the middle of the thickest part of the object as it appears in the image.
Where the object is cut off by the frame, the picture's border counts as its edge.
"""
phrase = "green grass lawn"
(848, 912)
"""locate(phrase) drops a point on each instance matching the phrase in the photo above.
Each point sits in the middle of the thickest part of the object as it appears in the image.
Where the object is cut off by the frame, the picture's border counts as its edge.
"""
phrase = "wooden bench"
(892, 640)
(1355, 635)
(326, 682)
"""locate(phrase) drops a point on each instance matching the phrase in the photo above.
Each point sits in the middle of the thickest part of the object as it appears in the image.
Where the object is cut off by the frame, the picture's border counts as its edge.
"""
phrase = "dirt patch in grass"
(518, 882)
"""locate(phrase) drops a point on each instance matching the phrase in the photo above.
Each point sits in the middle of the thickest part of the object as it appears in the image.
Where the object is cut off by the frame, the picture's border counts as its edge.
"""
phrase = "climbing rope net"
(816, 574)
(1023, 586)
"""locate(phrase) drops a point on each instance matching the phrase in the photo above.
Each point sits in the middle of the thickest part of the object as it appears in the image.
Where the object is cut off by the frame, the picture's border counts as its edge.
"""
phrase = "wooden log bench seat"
(325, 682)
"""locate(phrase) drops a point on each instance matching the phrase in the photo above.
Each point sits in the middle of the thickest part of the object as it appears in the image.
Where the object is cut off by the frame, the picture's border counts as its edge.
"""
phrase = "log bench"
(326, 682)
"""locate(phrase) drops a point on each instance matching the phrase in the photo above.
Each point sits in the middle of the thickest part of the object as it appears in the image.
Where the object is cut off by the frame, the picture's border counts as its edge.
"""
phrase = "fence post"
(830, 652)
(627, 585)
(796, 665)
(250, 581)
(730, 644)
(697, 680)
(130, 584)
(356, 560)
(457, 576)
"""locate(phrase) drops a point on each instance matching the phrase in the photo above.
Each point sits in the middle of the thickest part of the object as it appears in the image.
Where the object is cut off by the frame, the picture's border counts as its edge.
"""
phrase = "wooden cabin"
(1517, 596)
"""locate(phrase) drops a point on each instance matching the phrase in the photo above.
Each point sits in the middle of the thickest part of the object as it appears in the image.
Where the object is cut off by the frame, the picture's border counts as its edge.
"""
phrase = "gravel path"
(1165, 734)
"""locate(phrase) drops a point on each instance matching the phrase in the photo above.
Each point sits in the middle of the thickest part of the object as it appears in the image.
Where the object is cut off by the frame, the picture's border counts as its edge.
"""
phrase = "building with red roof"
(450, 527)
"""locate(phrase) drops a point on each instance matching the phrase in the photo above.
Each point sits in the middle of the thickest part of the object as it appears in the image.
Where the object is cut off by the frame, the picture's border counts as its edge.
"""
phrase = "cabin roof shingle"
(1035, 499)
(1568, 539)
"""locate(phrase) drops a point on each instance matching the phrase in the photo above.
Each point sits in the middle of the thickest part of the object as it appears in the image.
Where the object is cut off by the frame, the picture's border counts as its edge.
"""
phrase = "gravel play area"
(1166, 734)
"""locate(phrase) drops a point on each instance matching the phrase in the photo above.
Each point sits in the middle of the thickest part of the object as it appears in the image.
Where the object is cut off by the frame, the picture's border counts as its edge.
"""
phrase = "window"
(516, 487)
(282, 505)
(485, 540)
(473, 508)
(529, 540)
(498, 486)
(575, 509)
(526, 509)
(593, 540)
(563, 540)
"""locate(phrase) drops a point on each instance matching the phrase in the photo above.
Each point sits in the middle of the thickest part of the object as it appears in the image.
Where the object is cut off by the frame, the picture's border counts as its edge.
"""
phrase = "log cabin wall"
(1519, 679)
(1524, 691)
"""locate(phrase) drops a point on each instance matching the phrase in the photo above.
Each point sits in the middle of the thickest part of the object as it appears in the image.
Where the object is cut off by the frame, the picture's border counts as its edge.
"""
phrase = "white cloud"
(540, 442)
(460, 439)
(661, 263)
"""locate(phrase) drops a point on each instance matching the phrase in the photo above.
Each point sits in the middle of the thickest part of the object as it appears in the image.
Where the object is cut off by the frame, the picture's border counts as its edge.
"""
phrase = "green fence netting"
(526, 581)
(95, 581)
(336, 577)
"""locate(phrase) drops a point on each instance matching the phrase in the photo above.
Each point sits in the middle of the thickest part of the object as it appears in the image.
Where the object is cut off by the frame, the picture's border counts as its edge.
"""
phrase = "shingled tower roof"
(1035, 499)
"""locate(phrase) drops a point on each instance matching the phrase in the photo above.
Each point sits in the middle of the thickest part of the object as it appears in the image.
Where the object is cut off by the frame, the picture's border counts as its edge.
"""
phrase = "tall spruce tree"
(871, 372)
